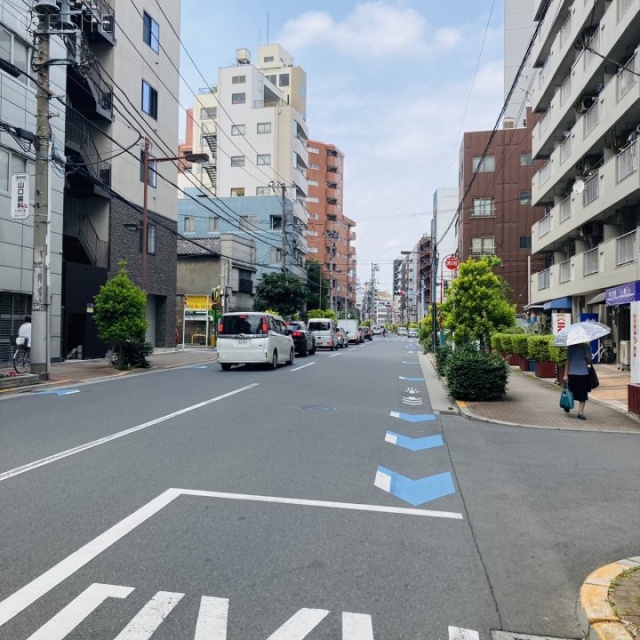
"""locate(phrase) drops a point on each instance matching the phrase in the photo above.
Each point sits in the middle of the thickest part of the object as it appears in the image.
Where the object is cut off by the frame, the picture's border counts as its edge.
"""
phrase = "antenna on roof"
(267, 42)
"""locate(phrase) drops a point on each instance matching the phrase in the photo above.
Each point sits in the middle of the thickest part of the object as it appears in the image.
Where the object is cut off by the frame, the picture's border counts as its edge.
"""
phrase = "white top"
(25, 332)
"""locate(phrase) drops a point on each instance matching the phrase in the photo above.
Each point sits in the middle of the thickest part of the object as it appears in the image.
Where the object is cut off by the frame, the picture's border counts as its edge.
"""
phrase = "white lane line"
(27, 595)
(150, 617)
(77, 610)
(456, 633)
(335, 355)
(212, 619)
(30, 466)
(300, 624)
(356, 626)
(309, 364)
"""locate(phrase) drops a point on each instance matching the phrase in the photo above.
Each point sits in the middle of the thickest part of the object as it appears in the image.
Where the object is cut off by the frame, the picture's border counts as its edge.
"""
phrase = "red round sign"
(452, 262)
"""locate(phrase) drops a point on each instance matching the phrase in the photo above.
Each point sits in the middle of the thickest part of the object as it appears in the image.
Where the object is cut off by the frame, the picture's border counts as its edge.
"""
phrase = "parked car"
(354, 334)
(367, 332)
(402, 331)
(253, 337)
(341, 338)
(377, 330)
(303, 340)
(413, 332)
(324, 331)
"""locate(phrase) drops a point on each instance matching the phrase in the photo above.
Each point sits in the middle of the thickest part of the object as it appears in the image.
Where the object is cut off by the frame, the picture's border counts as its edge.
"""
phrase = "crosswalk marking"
(150, 617)
(356, 626)
(456, 633)
(212, 619)
(300, 624)
(77, 610)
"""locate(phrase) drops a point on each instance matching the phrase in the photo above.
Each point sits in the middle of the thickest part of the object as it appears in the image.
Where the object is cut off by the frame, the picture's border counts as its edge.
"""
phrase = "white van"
(253, 337)
(324, 331)
(352, 327)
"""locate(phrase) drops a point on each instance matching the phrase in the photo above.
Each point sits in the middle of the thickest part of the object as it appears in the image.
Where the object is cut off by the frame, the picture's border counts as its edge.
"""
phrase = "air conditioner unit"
(584, 104)
(624, 353)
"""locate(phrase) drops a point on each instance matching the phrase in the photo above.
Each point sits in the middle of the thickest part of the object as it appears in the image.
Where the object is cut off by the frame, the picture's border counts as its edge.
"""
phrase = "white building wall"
(445, 206)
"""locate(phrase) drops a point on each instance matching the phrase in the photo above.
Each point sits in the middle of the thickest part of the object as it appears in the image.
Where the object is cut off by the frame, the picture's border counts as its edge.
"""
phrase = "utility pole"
(40, 294)
(145, 211)
(284, 227)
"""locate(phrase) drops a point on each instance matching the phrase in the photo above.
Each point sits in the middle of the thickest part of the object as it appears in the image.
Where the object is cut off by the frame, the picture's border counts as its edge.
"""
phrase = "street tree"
(321, 313)
(282, 292)
(317, 286)
(477, 302)
(120, 313)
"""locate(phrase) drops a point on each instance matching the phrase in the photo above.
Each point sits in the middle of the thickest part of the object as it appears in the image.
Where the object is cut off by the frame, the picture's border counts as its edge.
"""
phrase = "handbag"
(594, 383)
(566, 399)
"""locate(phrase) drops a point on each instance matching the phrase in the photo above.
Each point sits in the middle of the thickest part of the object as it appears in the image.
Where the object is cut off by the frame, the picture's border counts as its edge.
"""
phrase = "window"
(237, 129)
(315, 166)
(283, 80)
(208, 113)
(268, 58)
(275, 223)
(238, 98)
(264, 191)
(248, 223)
(4, 170)
(313, 150)
(525, 242)
(238, 79)
(263, 159)
(15, 51)
(272, 79)
(245, 283)
(149, 100)
(482, 207)
(214, 224)
(483, 245)
(264, 127)
(484, 165)
(525, 159)
(311, 199)
(237, 192)
(151, 239)
(189, 224)
(150, 32)
(237, 161)
(276, 256)
(313, 183)
(525, 197)
(153, 171)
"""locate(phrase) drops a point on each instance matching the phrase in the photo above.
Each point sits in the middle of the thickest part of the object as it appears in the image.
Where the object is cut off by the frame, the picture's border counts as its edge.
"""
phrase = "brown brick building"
(329, 232)
(496, 214)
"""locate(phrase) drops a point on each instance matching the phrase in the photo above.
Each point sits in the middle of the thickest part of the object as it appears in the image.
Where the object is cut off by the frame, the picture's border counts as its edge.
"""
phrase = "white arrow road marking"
(300, 624)
(456, 633)
(150, 617)
(96, 443)
(77, 610)
(212, 619)
(356, 626)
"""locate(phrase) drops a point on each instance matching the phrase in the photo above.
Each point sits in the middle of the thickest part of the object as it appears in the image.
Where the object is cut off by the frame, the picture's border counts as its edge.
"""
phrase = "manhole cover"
(318, 407)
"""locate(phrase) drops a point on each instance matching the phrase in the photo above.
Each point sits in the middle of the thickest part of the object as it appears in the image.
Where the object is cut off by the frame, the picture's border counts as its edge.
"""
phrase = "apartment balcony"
(611, 263)
(555, 16)
(617, 182)
(96, 19)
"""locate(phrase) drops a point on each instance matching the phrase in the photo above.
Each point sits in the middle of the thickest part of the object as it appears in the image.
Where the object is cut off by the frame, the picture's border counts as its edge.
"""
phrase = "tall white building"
(444, 229)
(587, 91)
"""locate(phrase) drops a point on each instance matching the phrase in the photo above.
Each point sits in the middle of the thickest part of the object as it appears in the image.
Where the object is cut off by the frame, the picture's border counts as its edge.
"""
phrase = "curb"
(597, 618)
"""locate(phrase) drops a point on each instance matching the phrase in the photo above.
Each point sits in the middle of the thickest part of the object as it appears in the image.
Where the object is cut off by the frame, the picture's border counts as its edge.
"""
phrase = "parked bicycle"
(606, 354)
(22, 356)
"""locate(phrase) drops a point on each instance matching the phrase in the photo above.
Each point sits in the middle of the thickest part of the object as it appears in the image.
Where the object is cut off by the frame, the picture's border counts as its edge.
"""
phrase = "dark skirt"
(579, 386)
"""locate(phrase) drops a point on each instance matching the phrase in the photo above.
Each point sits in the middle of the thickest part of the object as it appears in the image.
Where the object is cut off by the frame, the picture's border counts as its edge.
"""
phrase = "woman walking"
(576, 374)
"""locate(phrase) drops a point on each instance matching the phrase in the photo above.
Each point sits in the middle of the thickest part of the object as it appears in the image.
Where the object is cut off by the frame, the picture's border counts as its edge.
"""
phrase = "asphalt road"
(322, 500)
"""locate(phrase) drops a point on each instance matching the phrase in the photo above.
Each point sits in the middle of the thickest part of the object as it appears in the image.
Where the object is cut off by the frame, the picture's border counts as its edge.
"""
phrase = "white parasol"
(580, 332)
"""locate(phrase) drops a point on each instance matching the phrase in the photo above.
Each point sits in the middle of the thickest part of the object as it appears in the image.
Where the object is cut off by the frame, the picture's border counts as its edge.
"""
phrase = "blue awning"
(623, 294)
(556, 305)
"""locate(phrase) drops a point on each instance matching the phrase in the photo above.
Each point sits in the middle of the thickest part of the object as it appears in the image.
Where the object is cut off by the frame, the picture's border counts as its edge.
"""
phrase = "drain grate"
(448, 413)
(317, 407)
(506, 635)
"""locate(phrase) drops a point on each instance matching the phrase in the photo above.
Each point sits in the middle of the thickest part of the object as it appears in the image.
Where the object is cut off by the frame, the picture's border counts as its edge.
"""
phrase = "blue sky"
(389, 82)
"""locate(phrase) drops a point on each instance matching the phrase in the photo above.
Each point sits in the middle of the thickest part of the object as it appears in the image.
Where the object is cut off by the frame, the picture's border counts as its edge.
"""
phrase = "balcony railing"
(565, 89)
(564, 271)
(593, 44)
(623, 5)
(591, 189)
(545, 173)
(591, 118)
(544, 279)
(544, 226)
(565, 209)
(627, 76)
(565, 149)
(565, 31)
(77, 223)
(627, 161)
(626, 248)
(591, 262)
(544, 121)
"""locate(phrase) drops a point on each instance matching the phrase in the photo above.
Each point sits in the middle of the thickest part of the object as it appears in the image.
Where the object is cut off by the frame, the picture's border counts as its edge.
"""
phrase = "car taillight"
(297, 334)
(265, 327)
(220, 327)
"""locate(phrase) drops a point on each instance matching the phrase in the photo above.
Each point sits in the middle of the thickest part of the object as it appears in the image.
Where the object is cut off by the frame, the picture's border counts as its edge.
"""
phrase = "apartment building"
(588, 95)
(444, 228)
(330, 233)
(496, 212)
(17, 155)
(252, 123)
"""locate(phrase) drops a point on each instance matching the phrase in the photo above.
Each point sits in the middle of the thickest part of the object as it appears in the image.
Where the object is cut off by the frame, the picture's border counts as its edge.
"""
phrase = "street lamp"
(195, 158)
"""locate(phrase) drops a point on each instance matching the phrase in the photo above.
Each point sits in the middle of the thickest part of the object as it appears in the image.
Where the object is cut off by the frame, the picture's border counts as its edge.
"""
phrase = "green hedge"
(496, 342)
(443, 355)
(476, 375)
(538, 348)
(507, 342)
(520, 344)
(558, 355)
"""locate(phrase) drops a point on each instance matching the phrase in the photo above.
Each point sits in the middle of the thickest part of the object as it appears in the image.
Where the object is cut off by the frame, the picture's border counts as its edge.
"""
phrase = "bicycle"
(605, 354)
(22, 358)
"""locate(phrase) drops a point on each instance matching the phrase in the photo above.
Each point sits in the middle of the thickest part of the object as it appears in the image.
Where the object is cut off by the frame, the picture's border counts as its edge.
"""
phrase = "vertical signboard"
(634, 346)
(559, 321)
(20, 196)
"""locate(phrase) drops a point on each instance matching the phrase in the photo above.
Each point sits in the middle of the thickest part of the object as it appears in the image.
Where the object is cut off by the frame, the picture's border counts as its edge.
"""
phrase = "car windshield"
(298, 326)
(319, 326)
(247, 324)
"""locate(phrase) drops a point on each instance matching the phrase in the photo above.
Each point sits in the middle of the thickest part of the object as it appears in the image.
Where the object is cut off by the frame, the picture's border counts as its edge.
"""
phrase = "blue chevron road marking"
(414, 444)
(57, 392)
(415, 492)
(410, 417)
(411, 379)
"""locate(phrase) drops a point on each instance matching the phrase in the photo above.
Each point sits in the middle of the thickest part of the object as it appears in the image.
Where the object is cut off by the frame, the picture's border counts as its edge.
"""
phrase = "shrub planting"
(475, 375)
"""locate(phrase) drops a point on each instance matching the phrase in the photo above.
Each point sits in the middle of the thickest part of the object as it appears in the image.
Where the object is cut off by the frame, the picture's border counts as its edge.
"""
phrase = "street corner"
(598, 617)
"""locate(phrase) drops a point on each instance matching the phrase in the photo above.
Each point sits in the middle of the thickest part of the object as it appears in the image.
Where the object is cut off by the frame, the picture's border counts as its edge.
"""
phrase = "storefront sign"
(559, 321)
(634, 346)
(20, 196)
(624, 293)
(197, 302)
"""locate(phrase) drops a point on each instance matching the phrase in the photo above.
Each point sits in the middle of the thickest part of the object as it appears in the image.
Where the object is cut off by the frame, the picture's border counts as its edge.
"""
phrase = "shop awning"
(623, 294)
(556, 305)
(598, 299)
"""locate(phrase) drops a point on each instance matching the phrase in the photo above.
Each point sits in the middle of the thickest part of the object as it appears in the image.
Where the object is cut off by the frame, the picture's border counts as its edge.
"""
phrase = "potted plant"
(519, 342)
(496, 344)
(559, 357)
(539, 346)
(507, 346)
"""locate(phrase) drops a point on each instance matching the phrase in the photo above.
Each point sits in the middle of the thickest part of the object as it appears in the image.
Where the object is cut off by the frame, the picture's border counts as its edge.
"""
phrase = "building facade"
(330, 233)
(444, 228)
(588, 95)
(495, 211)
